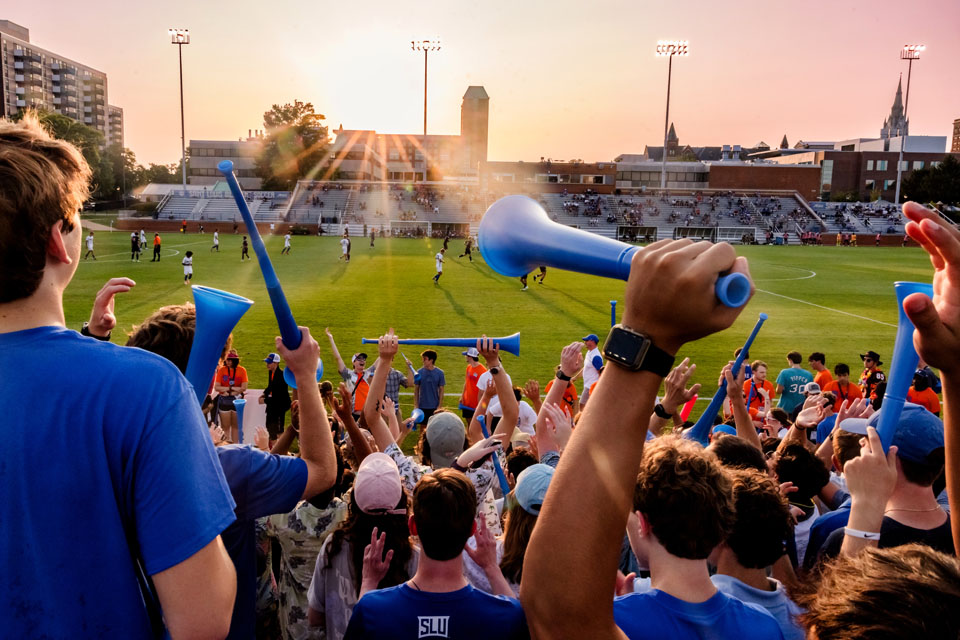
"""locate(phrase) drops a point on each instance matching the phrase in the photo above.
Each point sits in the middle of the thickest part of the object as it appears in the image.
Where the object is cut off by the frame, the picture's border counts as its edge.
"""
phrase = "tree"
(934, 184)
(295, 146)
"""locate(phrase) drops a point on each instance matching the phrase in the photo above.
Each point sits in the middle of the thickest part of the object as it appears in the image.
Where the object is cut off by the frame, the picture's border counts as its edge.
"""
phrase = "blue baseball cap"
(919, 433)
(272, 358)
(725, 428)
(592, 336)
(532, 485)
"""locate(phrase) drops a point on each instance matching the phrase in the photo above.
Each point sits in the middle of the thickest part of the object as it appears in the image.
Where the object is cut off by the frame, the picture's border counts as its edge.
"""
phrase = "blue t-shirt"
(262, 484)
(776, 603)
(656, 614)
(117, 438)
(466, 614)
(821, 530)
(825, 428)
(430, 382)
(793, 381)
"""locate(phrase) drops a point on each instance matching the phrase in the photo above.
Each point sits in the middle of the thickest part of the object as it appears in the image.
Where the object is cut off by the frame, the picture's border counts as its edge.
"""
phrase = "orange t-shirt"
(850, 392)
(569, 395)
(156, 240)
(228, 377)
(360, 391)
(757, 400)
(926, 398)
(471, 394)
(823, 378)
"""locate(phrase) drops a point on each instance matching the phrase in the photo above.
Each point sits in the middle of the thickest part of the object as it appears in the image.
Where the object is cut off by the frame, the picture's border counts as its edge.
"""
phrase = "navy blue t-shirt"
(262, 484)
(656, 614)
(96, 436)
(825, 428)
(466, 614)
(430, 382)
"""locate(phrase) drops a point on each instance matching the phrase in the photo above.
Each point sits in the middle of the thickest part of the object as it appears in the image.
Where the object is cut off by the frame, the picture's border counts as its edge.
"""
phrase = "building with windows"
(35, 78)
(548, 176)
(203, 156)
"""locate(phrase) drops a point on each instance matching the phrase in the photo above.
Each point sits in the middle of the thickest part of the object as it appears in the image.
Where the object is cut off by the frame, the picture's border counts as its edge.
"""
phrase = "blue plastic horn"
(218, 312)
(240, 403)
(289, 330)
(902, 365)
(700, 430)
(417, 415)
(510, 344)
(516, 236)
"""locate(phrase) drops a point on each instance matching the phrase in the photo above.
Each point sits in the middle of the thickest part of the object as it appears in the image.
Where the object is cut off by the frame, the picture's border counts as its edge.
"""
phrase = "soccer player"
(523, 281)
(467, 247)
(244, 249)
(541, 275)
(345, 248)
(156, 248)
(216, 241)
(439, 259)
(90, 247)
(187, 263)
(286, 245)
(373, 236)
(791, 382)
(842, 388)
(821, 375)
(143, 239)
(873, 380)
(134, 247)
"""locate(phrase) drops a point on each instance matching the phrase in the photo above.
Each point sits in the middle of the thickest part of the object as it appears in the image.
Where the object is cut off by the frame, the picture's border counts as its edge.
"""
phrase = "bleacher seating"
(266, 208)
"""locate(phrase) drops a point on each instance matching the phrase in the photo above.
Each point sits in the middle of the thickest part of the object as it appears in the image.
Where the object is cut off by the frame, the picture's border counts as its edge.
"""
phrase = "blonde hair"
(42, 181)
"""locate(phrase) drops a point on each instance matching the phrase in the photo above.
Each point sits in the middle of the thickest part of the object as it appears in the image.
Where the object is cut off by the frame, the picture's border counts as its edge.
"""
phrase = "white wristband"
(865, 535)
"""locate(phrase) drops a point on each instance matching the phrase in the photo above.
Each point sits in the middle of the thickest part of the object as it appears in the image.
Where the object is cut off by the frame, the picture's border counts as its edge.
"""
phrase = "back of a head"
(42, 181)
(762, 520)
(520, 459)
(794, 357)
(167, 332)
(846, 446)
(685, 495)
(804, 469)
(444, 508)
(910, 591)
(734, 452)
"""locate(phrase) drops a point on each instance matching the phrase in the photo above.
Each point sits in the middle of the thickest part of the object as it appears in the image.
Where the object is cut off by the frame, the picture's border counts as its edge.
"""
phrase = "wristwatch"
(661, 412)
(494, 370)
(635, 351)
(562, 376)
(85, 331)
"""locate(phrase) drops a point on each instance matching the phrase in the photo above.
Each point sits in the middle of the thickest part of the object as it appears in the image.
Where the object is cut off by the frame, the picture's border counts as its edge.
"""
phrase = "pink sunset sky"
(566, 79)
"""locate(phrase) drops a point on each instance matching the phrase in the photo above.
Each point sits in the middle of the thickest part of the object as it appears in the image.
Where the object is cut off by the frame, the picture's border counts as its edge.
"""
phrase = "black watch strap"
(658, 361)
(85, 331)
(562, 376)
(661, 412)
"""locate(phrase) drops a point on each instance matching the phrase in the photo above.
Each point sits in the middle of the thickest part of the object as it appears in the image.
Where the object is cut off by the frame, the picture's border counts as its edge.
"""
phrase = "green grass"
(391, 285)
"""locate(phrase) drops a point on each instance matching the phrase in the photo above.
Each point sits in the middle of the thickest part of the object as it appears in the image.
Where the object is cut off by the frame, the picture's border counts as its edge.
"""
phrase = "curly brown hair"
(909, 591)
(168, 332)
(762, 521)
(42, 181)
(686, 495)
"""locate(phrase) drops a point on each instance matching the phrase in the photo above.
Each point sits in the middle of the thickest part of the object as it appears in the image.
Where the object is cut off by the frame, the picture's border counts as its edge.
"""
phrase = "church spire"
(897, 110)
(672, 135)
(896, 124)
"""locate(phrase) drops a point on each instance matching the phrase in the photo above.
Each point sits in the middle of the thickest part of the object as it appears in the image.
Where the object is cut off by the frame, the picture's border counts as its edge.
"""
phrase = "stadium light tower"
(910, 52)
(668, 49)
(426, 46)
(181, 37)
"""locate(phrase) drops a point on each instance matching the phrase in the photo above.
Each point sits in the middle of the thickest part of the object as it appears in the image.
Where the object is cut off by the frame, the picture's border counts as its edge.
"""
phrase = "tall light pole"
(426, 46)
(669, 48)
(910, 52)
(181, 37)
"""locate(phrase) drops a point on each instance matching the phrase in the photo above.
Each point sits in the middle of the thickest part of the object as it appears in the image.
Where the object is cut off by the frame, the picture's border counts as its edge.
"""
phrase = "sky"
(566, 79)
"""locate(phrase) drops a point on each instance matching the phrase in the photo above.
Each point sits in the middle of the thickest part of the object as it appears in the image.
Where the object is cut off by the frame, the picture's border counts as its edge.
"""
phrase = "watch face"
(626, 348)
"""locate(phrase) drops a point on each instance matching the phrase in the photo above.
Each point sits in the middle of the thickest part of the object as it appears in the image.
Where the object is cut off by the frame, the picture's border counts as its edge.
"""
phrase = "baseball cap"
(592, 336)
(358, 356)
(919, 433)
(725, 428)
(811, 389)
(472, 352)
(377, 487)
(445, 434)
(532, 485)
(873, 355)
(520, 438)
(233, 354)
(271, 358)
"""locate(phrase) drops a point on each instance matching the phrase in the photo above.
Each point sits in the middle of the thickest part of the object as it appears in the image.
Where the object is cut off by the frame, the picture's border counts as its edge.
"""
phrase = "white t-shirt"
(143, 237)
(89, 243)
(439, 258)
(527, 420)
(590, 372)
(286, 240)
(484, 380)
(216, 237)
(344, 244)
(187, 265)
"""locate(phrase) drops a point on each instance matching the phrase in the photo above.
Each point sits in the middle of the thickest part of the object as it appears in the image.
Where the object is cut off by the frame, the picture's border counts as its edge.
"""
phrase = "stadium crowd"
(127, 512)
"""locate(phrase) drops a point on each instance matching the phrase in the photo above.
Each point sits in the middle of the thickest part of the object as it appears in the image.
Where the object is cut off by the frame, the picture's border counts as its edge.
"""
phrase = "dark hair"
(841, 369)
(846, 445)
(685, 495)
(795, 357)
(781, 416)
(189, 253)
(356, 531)
(923, 473)
(762, 522)
(520, 459)
(518, 393)
(167, 332)
(430, 354)
(805, 470)
(769, 445)
(902, 592)
(444, 508)
(816, 356)
(518, 529)
(920, 382)
(734, 452)
(829, 399)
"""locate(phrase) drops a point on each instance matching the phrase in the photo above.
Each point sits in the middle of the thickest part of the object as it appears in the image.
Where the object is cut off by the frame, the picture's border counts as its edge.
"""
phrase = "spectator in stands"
(920, 393)
(791, 382)
(276, 397)
(471, 394)
(842, 388)
(358, 380)
(759, 391)
(86, 480)
(873, 380)
(798, 465)
(821, 375)
(231, 383)
(430, 383)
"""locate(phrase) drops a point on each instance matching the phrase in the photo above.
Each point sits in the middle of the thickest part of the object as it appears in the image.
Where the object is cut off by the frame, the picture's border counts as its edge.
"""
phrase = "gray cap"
(445, 434)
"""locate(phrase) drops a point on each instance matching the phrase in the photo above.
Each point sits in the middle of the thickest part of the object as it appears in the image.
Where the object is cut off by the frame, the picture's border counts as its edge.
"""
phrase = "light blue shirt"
(777, 603)
(793, 381)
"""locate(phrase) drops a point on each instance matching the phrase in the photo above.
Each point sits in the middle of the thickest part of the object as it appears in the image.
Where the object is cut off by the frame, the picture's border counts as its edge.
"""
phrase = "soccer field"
(836, 300)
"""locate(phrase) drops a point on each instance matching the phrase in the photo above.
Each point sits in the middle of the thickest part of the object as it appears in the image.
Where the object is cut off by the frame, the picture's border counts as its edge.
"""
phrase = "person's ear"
(412, 525)
(57, 244)
(835, 461)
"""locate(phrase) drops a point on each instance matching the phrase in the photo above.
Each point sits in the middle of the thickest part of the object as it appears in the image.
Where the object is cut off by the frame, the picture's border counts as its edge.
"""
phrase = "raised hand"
(343, 406)
(485, 553)
(217, 434)
(375, 562)
(676, 393)
(102, 320)
(387, 346)
(387, 408)
(571, 359)
(489, 351)
(304, 359)
(479, 450)
(559, 421)
(261, 439)
(531, 390)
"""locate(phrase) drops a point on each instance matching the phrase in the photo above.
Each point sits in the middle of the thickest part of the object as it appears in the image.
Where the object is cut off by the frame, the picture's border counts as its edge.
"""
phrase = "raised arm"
(531, 391)
(509, 406)
(341, 367)
(741, 415)
(675, 394)
(197, 595)
(344, 410)
(316, 442)
(871, 478)
(571, 362)
(474, 430)
(571, 561)
(387, 348)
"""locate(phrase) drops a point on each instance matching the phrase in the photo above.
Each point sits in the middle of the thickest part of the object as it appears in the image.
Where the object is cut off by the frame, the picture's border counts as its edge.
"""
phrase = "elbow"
(320, 477)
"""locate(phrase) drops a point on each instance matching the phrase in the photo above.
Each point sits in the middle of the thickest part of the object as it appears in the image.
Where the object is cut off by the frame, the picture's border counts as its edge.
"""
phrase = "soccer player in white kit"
(286, 245)
(216, 241)
(439, 258)
(187, 263)
(345, 247)
(143, 239)
(90, 247)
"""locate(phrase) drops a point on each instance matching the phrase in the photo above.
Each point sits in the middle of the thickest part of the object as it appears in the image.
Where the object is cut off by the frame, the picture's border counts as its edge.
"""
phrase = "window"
(904, 165)
(888, 184)
(869, 165)
(826, 175)
(917, 164)
(934, 164)
(394, 154)
(870, 185)
(881, 165)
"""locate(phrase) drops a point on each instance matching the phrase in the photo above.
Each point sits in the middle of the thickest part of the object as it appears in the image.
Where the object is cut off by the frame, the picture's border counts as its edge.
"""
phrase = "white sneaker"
(524, 288)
